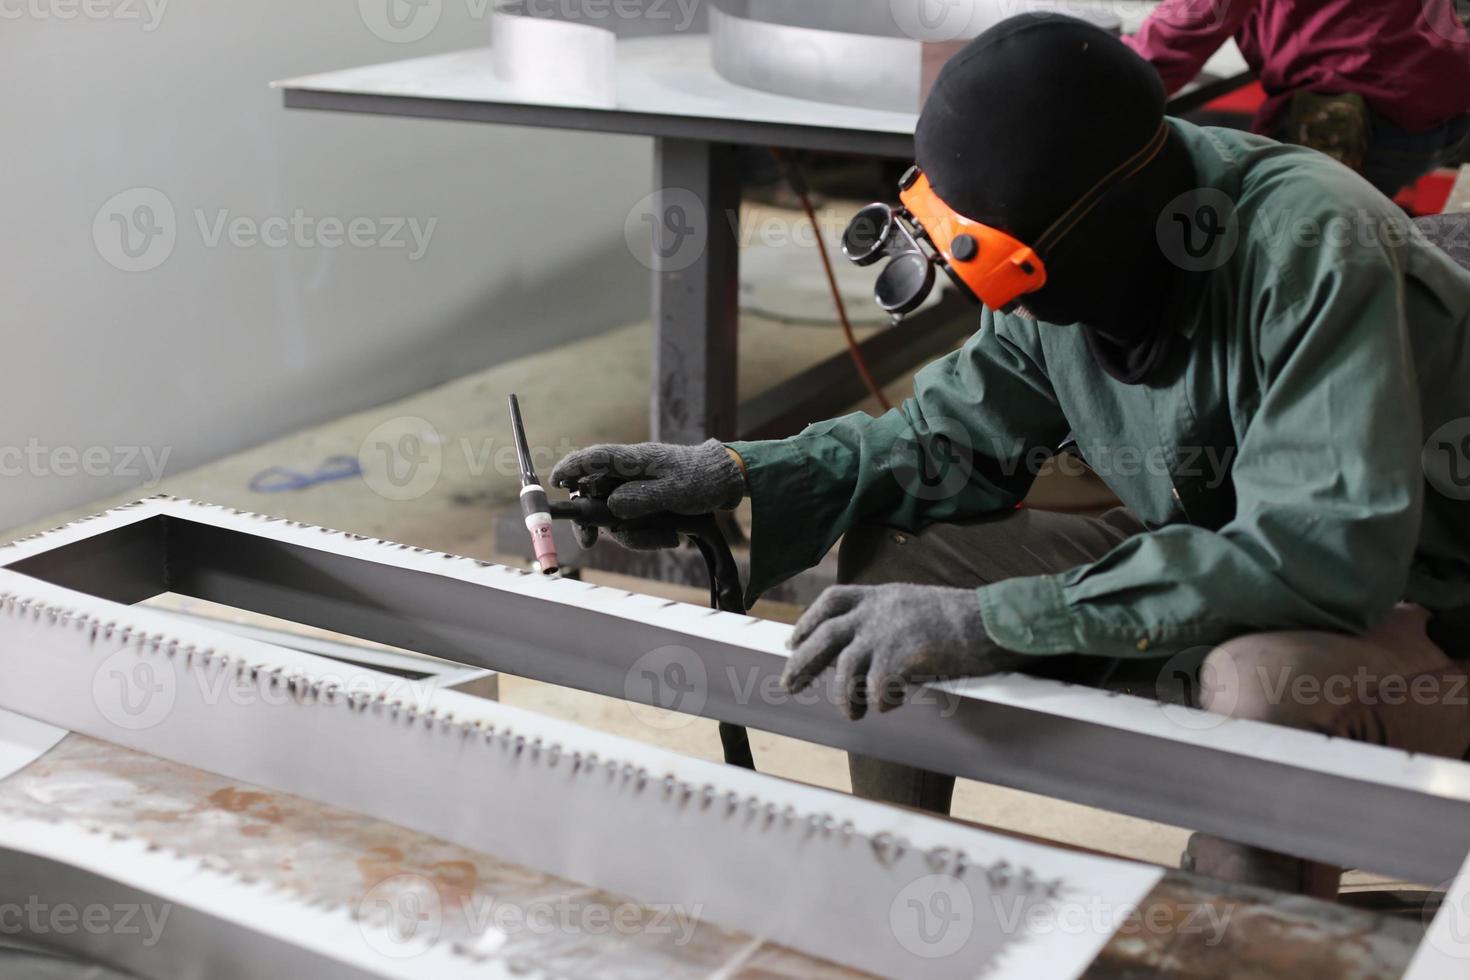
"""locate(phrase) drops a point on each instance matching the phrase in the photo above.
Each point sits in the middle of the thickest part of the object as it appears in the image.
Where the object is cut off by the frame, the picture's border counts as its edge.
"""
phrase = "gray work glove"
(884, 638)
(653, 478)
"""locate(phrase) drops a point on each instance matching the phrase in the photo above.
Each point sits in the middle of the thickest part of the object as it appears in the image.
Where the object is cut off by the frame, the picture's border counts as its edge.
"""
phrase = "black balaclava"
(1022, 123)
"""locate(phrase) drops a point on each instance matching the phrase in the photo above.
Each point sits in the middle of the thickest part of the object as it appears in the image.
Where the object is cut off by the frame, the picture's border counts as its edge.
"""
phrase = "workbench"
(667, 89)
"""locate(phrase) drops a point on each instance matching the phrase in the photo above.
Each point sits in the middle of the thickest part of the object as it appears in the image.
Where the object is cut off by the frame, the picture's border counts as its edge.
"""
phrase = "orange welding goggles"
(987, 264)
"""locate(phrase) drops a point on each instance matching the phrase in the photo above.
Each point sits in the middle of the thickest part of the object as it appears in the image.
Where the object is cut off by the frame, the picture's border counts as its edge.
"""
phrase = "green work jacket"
(1304, 464)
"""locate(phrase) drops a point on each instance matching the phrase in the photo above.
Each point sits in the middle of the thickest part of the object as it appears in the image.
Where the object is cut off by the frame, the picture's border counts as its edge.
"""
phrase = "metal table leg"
(696, 281)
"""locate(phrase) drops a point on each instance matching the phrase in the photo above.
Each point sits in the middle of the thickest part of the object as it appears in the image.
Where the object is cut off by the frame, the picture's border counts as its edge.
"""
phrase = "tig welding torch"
(590, 514)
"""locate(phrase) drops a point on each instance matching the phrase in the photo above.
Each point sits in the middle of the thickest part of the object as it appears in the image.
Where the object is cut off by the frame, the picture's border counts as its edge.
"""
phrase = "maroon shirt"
(1409, 59)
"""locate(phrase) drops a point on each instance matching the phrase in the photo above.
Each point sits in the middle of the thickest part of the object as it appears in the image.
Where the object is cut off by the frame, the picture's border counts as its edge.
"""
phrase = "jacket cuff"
(774, 482)
(1029, 615)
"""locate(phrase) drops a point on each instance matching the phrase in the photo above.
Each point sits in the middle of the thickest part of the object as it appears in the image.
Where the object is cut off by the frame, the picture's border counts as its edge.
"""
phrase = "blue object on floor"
(279, 479)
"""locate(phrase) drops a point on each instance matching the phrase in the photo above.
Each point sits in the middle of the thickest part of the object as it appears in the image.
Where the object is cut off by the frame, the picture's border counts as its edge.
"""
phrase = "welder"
(1260, 355)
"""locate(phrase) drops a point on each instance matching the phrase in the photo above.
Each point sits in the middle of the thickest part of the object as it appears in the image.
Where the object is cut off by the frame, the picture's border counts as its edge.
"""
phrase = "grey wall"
(224, 345)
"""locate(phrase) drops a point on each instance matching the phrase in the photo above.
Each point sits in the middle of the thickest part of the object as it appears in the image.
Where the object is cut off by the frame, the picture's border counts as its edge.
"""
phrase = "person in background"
(1381, 85)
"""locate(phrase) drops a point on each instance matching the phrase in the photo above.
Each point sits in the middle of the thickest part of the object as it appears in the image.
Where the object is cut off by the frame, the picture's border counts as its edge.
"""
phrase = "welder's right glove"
(651, 478)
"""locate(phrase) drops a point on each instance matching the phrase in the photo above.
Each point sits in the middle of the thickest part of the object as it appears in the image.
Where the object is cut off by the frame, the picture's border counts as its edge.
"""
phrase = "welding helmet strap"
(1085, 204)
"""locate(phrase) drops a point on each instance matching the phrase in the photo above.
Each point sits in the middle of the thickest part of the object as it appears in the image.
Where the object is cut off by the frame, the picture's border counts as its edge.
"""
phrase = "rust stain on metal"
(1220, 931)
(379, 864)
(255, 804)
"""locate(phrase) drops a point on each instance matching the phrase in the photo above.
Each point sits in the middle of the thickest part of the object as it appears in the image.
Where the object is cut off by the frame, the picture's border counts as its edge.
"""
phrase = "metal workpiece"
(868, 70)
(1219, 931)
(203, 865)
(214, 863)
(922, 19)
(1322, 798)
(667, 829)
(880, 56)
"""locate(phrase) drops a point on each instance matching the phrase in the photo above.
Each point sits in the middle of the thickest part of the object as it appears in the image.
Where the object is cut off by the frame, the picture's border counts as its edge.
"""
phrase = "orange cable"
(799, 186)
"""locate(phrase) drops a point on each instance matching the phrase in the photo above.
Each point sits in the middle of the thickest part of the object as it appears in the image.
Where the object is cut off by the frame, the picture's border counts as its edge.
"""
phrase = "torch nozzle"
(534, 505)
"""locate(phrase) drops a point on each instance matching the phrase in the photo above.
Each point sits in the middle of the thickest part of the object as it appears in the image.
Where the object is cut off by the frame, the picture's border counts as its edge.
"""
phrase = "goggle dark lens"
(866, 239)
(904, 283)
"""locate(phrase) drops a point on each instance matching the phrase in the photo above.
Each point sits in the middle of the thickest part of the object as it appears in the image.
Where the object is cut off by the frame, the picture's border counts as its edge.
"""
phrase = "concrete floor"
(440, 465)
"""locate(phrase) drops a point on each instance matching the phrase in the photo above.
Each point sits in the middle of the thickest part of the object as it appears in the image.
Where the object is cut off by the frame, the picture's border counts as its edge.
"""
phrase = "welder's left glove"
(886, 638)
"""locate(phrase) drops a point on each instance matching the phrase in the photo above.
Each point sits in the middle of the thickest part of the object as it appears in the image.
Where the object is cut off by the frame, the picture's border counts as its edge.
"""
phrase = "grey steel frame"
(695, 309)
(1322, 798)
